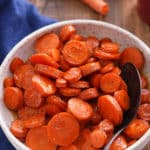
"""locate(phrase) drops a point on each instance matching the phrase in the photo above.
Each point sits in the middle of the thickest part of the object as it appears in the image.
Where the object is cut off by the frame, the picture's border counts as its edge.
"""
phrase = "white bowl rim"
(16, 143)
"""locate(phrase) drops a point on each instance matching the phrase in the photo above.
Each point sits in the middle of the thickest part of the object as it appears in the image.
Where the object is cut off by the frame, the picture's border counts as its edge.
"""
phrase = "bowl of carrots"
(61, 88)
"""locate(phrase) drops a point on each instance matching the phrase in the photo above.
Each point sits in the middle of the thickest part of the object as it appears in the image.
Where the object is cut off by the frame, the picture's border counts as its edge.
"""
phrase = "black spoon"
(131, 76)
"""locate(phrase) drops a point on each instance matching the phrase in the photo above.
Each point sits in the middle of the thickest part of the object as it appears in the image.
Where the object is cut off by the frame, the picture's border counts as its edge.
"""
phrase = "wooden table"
(122, 13)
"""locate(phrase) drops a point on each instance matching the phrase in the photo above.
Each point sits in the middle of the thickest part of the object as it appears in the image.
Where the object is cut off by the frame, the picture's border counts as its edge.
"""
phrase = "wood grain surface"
(122, 13)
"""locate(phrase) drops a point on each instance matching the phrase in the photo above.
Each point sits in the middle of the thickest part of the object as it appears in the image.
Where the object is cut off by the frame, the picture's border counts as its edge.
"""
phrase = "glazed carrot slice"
(46, 43)
(48, 71)
(72, 75)
(136, 128)
(16, 63)
(52, 109)
(18, 129)
(53, 99)
(67, 31)
(91, 59)
(23, 76)
(110, 82)
(145, 95)
(144, 112)
(80, 84)
(98, 5)
(131, 143)
(34, 121)
(98, 138)
(80, 109)
(89, 94)
(37, 139)
(132, 55)
(110, 47)
(63, 64)
(26, 112)
(105, 40)
(107, 126)
(67, 91)
(75, 53)
(13, 98)
(8, 81)
(33, 98)
(99, 53)
(123, 85)
(63, 129)
(90, 68)
(119, 143)
(123, 99)
(60, 82)
(109, 108)
(92, 42)
(70, 147)
(43, 85)
(77, 37)
(42, 58)
(109, 67)
(95, 79)
(116, 70)
(55, 53)
(144, 81)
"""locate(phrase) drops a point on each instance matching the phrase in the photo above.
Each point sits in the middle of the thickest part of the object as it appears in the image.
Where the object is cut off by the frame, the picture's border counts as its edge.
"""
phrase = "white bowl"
(85, 27)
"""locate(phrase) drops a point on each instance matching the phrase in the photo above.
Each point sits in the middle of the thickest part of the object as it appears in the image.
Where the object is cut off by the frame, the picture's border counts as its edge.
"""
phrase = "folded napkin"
(17, 19)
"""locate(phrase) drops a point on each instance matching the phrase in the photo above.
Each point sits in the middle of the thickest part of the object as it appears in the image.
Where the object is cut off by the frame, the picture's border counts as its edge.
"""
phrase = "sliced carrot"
(46, 43)
(43, 85)
(144, 112)
(89, 94)
(42, 58)
(60, 82)
(95, 79)
(109, 67)
(91, 59)
(99, 6)
(63, 129)
(48, 71)
(123, 99)
(116, 70)
(107, 126)
(70, 147)
(123, 85)
(37, 139)
(90, 68)
(110, 47)
(8, 81)
(18, 129)
(109, 108)
(67, 91)
(13, 98)
(80, 84)
(96, 118)
(99, 53)
(15, 64)
(63, 64)
(26, 112)
(92, 42)
(110, 82)
(34, 121)
(136, 128)
(33, 98)
(72, 75)
(52, 109)
(98, 138)
(53, 99)
(77, 37)
(23, 76)
(105, 40)
(144, 81)
(119, 143)
(132, 55)
(75, 53)
(55, 53)
(80, 109)
(66, 32)
(145, 95)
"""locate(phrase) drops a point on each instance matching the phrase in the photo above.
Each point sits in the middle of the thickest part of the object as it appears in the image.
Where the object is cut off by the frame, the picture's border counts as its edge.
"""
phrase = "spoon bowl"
(131, 76)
